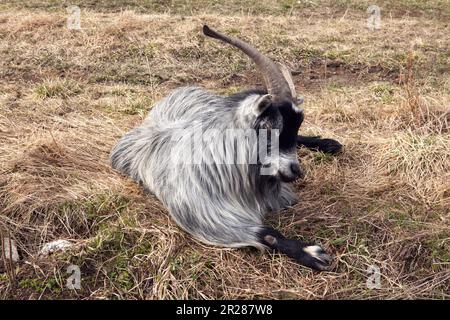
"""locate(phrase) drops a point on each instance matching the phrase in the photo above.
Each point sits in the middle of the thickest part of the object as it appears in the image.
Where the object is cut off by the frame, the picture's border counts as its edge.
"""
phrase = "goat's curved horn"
(276, 83)
(288, 76)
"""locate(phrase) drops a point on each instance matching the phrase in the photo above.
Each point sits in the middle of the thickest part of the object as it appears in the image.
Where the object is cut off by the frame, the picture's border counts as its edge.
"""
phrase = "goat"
(220, 202)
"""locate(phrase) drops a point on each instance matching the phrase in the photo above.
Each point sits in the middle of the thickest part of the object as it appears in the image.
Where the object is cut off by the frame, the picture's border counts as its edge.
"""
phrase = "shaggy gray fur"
(218, 202)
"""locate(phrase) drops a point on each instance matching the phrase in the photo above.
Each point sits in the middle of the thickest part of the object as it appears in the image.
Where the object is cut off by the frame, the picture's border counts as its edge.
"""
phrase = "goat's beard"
(263, 183)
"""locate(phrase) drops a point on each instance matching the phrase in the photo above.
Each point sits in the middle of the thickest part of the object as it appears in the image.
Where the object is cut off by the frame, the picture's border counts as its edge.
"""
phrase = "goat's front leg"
(309, 255)
(318, 144)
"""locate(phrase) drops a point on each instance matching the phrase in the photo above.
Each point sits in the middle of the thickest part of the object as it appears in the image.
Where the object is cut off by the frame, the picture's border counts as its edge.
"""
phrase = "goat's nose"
(295, 168)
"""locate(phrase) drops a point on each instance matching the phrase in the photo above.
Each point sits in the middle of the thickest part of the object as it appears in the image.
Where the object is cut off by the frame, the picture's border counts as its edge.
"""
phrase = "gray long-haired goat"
(217, 201)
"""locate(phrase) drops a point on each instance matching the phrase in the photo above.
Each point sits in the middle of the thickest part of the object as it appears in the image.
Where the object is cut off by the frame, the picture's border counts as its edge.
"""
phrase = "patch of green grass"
(384, 91)
(97, 205)
(137, 107)
(230, 90)
(336, 54)
(135, 51)
(320, 157)
(151, 49)
(57, 89)
(176, 264)
(108, 238)
(188, 53)
(324, 234)
(339, 87)
(189, 7)
(119, 272)
(185, 260)
(439, 246)
(443, 62)
(117, 243)
(287, 5)
(39, 285)
(406, 218)
(126, 73)
(400, 218)
(441, 254)
(302, 53)
(91, 214)
(436, 5)
(122, 91)
(402, 58)
(4, 277)
(339, 241)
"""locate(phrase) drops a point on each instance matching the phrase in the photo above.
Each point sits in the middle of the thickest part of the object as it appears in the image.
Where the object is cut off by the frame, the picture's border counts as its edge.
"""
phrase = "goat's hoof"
(330, 146)
(311, 256)
(316, 258)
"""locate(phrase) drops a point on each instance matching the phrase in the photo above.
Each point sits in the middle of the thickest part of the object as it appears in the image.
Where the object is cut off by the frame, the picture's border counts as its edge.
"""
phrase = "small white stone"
(57, 245)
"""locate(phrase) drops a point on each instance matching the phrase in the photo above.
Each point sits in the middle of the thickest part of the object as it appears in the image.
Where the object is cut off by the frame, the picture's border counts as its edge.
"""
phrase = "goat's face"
(276, 110)
(286, 117)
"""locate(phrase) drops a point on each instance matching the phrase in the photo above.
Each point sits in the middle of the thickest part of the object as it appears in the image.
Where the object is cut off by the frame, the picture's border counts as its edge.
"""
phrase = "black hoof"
(318, 144)
(311, 256)
(315, 257)
(330, 146)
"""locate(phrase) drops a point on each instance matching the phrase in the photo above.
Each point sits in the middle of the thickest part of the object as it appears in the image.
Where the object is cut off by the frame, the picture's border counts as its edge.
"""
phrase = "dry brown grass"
(67, 96)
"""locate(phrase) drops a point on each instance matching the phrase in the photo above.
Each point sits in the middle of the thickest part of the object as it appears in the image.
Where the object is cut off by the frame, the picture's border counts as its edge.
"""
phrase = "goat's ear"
(262, 103)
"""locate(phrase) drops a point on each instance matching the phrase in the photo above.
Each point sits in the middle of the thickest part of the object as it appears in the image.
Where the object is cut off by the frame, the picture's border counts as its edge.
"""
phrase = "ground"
(66, 96)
